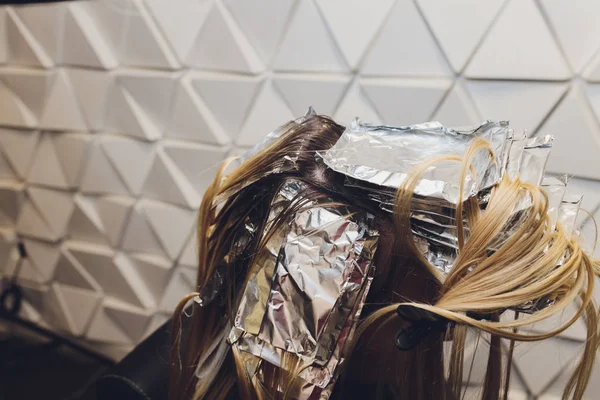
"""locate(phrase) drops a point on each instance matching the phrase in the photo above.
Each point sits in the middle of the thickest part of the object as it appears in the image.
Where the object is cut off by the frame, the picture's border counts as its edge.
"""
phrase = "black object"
(143, 373)
(423, 323)
(10, 299)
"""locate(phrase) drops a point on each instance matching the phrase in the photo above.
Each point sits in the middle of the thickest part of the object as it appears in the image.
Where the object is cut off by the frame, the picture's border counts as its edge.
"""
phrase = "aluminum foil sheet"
(555, 188)
(383, 156)
(567, 213)
(514, 155)
(534, 158)
(306, 291)
(274, 135)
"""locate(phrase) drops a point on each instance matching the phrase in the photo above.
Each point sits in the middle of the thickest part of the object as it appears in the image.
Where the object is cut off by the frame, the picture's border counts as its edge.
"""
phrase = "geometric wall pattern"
(115, 113)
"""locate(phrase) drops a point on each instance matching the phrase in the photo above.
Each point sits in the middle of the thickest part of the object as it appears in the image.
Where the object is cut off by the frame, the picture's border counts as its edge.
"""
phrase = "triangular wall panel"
(228, 97)
(100, 176)
(83, 43)
(508, 54)
(191, 118)
(575, 27)
(404, 34)
(114, 213)
(170, 224)
(307, 33)
(85, 223)
(55, 207)
(6, 171)
(180, 25)
(576, 132)
(138, 236)
(404, 101)
(268, 112)
(46, 213)
(356, 104)
(343, 18)
(110, 19)
(323, 93)
(524, 104)
(106, 330)
(110, 272)
(144, 45)
(154, 270)
(19, 147)
(131, 158)
(70, 272)
(91, 90)
(457, 108)
(72, 149)
(140, 102)
(459, 25)
(46, 169)
(263, 26)
(30, 85)
(43, 256)
(23, 47)
(62, 111)
(554, 354)
(198, 163)
(221, 45)
(182, 282)
(13, 111)
(165, 182)
(132, 320)
(80, 305)
(44, 22)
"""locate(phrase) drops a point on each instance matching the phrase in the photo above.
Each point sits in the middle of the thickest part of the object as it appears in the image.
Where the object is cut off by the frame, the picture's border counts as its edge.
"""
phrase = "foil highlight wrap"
(534, 159)
(306, 293)
(383, 155)
(567, 213)
(555, 188)
(376, 159)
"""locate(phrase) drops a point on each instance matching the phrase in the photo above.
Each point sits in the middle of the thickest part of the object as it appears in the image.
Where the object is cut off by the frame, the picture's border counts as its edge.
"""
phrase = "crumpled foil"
(306, 291)
(383, 155)
(274, 135)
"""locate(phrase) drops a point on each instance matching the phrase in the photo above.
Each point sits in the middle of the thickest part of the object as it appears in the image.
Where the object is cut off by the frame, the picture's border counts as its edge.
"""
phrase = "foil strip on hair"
(319, 269)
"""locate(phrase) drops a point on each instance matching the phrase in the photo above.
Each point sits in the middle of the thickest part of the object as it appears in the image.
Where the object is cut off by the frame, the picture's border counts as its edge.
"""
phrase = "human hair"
(534, 272)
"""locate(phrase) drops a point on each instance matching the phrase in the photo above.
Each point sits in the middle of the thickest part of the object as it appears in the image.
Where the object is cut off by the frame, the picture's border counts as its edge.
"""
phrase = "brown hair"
(542, 263)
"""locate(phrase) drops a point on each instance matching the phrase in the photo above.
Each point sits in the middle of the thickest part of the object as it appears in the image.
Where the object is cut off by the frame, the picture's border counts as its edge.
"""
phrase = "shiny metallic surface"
(534, 159)
(555, 188)
(306, 291)
(567, 213)
(384, 155)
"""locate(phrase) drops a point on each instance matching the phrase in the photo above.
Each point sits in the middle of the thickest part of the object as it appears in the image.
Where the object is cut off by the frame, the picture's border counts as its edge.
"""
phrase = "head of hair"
(537, 261)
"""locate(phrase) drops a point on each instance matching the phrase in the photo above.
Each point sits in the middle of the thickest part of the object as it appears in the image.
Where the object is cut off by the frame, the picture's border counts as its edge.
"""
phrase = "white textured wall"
(115, 112)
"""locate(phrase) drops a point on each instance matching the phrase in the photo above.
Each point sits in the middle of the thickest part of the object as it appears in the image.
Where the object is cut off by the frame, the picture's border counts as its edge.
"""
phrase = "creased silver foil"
(383, 155)
(534, 159)
(567, 213)
(515, 155)
(305, 293)
(555, 188)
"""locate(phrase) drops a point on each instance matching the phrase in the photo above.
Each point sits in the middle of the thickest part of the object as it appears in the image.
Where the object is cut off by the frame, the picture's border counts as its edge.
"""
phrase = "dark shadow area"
(33, 367)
